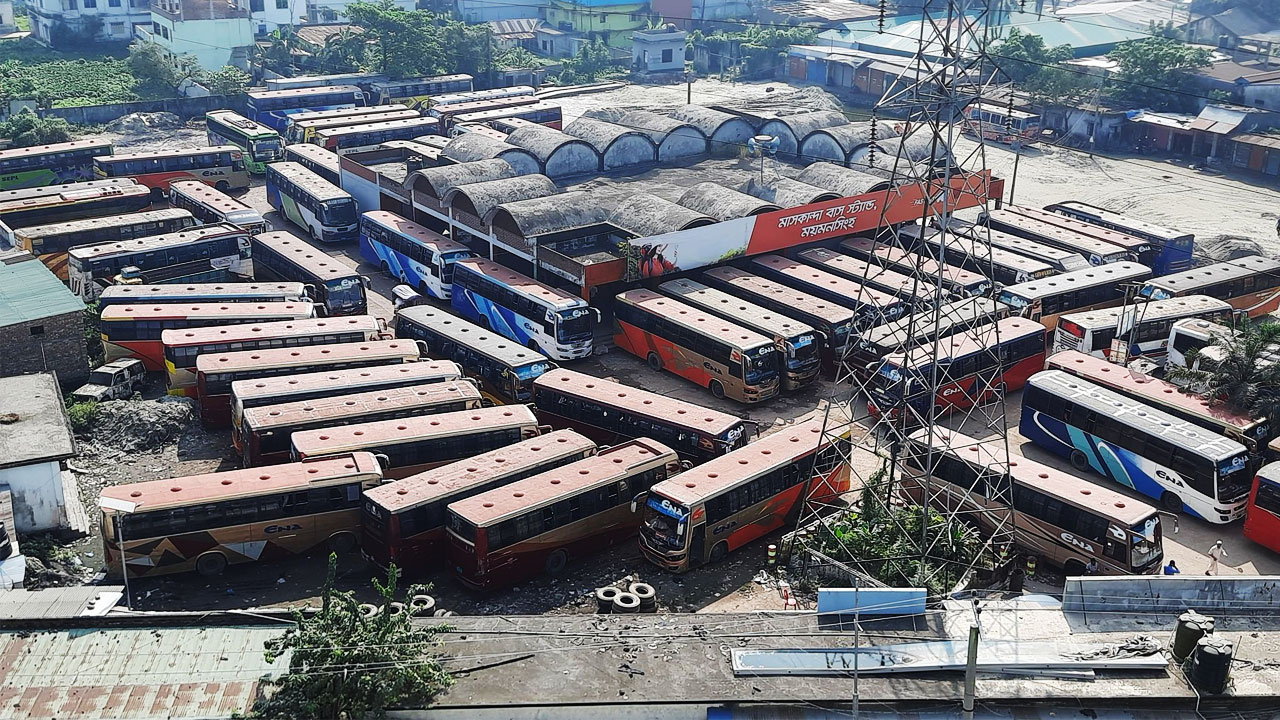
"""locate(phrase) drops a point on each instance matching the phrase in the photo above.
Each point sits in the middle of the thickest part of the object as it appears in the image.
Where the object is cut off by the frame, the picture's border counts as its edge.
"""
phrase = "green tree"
(591, 61)
(26, 129)
(1057, 86)
(407, 43)
(227, 81)
(1244, 377)
(151, 65)
(1157, 73)
(516, 58)
(342, 662)
(1022, 55)
(278, 52)
(343, 51)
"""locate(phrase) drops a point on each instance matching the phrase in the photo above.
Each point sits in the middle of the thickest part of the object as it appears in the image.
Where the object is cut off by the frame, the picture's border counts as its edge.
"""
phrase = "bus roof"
(424, 236)
(413, 398)
(253, 331)
(1219, 272)
(210, 196)
(1115, 237)
(362, 119)
(446, 480)
(630, 399)
(473, 336)
(310, 115)
(801, 301)
(490, 93)
(302, 92)
(967, 342)
(1135, 413)
(1111, 273)
(979, 250)
(1119, 220)
(1019, 244)
(533, 492)
(71, 196)
(1136, 384)
(175, 152)
(747, 314)
(52, 148)
(1121, 509)
(1039, 228)
(155, 293)
(110, 221)
(897, 255)
(407, 82)
(155, 242)
(403, 430)
(344, 130)
(305, 255)
(353, 377)
(723, 473)
(333, 353)
(556, 297)
(834, 283)
(692, 318)
(308, 180)
(46, 190)
(853, 268)
(239, 122)
(230, 310)
(499, 113)
(315, 153)
(1149, 311)
(1003, 111)
(476, 105)
(905, 329)
(176, 492)
(1204, 329)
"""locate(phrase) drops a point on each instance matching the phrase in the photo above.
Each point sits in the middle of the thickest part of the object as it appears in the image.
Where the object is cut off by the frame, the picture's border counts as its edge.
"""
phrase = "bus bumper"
(673, 563)
(577, 351)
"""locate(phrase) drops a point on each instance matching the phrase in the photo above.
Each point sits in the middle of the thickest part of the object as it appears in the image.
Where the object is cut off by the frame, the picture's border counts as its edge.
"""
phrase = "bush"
(81, 415)
(27, 129)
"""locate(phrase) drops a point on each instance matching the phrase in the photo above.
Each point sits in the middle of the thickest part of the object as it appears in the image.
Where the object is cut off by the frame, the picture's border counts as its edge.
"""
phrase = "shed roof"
(801, 124)
(600, 134)
(552, 213)
(438, 181)
(41, 432)
(647, 215)
(852, 136)
(723, 203)
(540, 140)
(916, 148)
(485, 196)
(705, 119)
(30, 291)
(786, 192)
(656, 126)
(470, 147)
(843, 181)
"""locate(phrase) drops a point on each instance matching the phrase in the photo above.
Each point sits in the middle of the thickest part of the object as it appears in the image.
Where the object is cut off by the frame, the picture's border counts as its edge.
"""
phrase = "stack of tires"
(638, 597)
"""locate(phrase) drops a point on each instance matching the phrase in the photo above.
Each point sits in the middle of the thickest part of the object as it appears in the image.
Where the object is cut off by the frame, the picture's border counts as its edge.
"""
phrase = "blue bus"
(1184, 466)
(420, 258)
(1163, 249)
(519, 308)
(327, 212)
(273, 107)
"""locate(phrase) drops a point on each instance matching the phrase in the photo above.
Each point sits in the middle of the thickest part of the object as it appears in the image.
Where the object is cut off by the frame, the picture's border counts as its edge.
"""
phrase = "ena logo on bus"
(212, 173)
(1073, 540)
(273, 529)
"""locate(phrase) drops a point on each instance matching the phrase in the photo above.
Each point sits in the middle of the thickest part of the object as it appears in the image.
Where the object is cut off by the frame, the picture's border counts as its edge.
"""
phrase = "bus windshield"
(341, 211)
(344, 291)
(574, 325)
(1147, 542)
(266, 148)
(666, 526)
(757, 365)
(1234, 479)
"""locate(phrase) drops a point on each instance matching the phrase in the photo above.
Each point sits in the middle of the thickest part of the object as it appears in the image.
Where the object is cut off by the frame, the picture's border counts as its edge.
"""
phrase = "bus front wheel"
(557, 561)
(342, 543)
(1079, 461)
(655, 362)
(718, 552)
(1073, 568)
(211, 563)
(222, 185)
(717, 389)
(1171, 502)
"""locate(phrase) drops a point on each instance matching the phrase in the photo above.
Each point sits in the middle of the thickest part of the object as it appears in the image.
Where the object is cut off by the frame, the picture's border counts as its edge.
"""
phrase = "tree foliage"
(411, 43)
(757, 51)
(1022, 55)
(150, 64)
(227, 81)
(1157, 73)
(343, 663)
(27, 129)
(516, 58)
(592, 61)
(1246, 379)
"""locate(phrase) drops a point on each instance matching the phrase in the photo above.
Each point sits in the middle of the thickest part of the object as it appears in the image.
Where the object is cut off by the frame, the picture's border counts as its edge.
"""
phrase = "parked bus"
(1002, 124)
(445, 113)
(206, 522)
(215, 252)
(292, 135)
(919, 293)
(717, 507)
(996, 264)
(1121, 334)
(201, 293)
(1250, 284)
(796, 343)
(610, 412)
(51, 242)
(727, 359)
(954, 278)
(265, 431)
(316, 159)
(359, 79)
(404, 521)
(539, 113)
(304, 131)
(505, 370)
(343, 369)
(489, 94)
(183, 347)
(831, 320)
(1180, 464)
(359, 138)
(417, 92)
(972, 367)
(273, 107)
(1055, 257)
(221, 166)
(1262, 518)
(211, 205)
(519, 308)
(326, 212)
(69, 203)
(416, 444)
(218, 372)
(871, 307)
(1064, 520)
(535, 525)
(420, 258)
(1253, 433)
(909, 332)
(337, 287)
(1097, 252)
(1141, 250)
(53, 164)
(1097, 287)
(1173, 248)
(133, 331)
(259, 143)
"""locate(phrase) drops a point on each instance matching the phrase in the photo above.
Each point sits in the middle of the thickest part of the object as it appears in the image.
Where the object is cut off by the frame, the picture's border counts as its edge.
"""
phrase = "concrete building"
(41, 322)
(791, 129)
(7, 23)
(610, 21)
(1253, 84)
(687, 14)
(270, 15)
(842, 144)
(846, 182)
(216, 32)
(35, 443)
(557, 41)
(478, 11)
(723, 203)
(332, 11)
(117, 18)
(787, 193)
(660, 50)
(1240, 28)
(675, 139)
(726, 133)
(471, 204)
(618, 146)
(1257, 152)
(473, 146)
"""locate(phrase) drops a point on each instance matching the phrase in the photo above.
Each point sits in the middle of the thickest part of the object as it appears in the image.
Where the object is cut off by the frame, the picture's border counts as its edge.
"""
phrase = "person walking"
(1092, 567)
(1216, 553)
(1172, 569)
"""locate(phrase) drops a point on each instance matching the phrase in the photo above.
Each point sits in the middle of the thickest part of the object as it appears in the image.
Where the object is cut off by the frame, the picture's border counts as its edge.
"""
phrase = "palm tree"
(343, 51)
(1245, 375)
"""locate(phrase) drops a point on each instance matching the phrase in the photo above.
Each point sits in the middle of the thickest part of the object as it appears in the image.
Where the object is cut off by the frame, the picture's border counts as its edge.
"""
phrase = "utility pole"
(971, 673)
(688, 84)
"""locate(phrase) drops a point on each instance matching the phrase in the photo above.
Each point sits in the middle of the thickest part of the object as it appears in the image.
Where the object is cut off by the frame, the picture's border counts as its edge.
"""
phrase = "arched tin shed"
(726, 133)
(471, 203)
(469, 147)
(723, 203)
(618, 146)
(525, 220)
(841, 144)
(843, 181)
(675, 139)
(432, 184)
(918, 147)
(647, 215)
(561, 155)
(790, 129)
(787, 193)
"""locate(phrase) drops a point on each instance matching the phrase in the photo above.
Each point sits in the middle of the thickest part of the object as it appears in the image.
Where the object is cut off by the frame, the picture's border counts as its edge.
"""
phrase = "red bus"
(414, 445)
(531, 526)
(954, 278)
(920, 293)
(1262, 515)
(871, 307)
(265, 431)
(133, 331)
(221, 166)
(972, 367)
(216, 373)
(404, 520)
(725, 503)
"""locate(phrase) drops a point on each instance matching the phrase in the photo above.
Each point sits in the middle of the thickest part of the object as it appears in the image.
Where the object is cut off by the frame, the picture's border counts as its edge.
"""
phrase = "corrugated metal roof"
(30, 291)
(1271, 141)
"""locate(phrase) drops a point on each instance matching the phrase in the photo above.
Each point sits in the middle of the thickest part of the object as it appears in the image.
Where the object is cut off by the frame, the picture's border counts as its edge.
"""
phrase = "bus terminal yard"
(781, 399)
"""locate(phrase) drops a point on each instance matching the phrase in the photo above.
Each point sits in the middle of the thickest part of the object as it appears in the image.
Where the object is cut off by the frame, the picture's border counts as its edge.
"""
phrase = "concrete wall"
(365, 192)
(820, 146)
(478, 11)
(523, 161)
(628, 151)
(788, 143)
(211, 42)
(49, 344)
(572, 159)
(38, 502)
(185, 107)
(730, 138)
(682, 142)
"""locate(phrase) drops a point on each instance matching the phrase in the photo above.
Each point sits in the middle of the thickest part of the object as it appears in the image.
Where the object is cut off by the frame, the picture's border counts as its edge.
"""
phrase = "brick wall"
(51, 344)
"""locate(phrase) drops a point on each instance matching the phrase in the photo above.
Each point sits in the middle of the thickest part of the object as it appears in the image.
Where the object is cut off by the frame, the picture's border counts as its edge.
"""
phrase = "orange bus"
(871, 307)
(958, 280)
(920, 293)
(1249, 284)
(221, 166)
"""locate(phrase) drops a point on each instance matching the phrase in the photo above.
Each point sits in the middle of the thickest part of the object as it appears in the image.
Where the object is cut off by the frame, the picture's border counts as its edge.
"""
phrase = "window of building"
(90, 4)
(37, 329)
(164, 31)
(282, 4)
(117, 29)
(73, 5)
(666, 55)
(256, 6)
(113, 3)
(155, 28)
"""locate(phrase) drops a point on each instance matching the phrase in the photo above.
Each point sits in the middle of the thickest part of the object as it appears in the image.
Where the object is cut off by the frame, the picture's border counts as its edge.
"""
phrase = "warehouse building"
(41, 322)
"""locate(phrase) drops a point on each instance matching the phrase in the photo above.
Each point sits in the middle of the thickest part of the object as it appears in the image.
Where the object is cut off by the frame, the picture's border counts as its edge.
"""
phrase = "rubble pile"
(1225, 247)
(140, 425)
(52, 564)
(789, 102)
(142, 123)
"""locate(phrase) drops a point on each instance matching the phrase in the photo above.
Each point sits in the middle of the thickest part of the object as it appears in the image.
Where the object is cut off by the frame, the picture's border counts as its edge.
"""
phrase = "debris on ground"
(1226, 247)
(51, 563)
(141, 123)
(140, 425)
(788, 101)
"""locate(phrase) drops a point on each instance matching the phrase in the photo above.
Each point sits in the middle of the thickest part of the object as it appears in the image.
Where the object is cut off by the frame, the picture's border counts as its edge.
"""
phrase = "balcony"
(180, 10)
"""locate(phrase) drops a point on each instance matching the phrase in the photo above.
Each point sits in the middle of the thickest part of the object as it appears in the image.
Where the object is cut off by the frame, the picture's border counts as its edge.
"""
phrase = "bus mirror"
(423, 350)
(364, 280)
(685, 465)
(635, 501)
(384, 462)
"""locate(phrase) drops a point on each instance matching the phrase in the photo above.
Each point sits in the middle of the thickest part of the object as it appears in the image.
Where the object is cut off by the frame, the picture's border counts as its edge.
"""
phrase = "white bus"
(211, 205)
(1141, 330)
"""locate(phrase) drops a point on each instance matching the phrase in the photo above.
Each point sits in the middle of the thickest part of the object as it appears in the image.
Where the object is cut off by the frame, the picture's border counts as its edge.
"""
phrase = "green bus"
(55, 164)
(261, 144)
